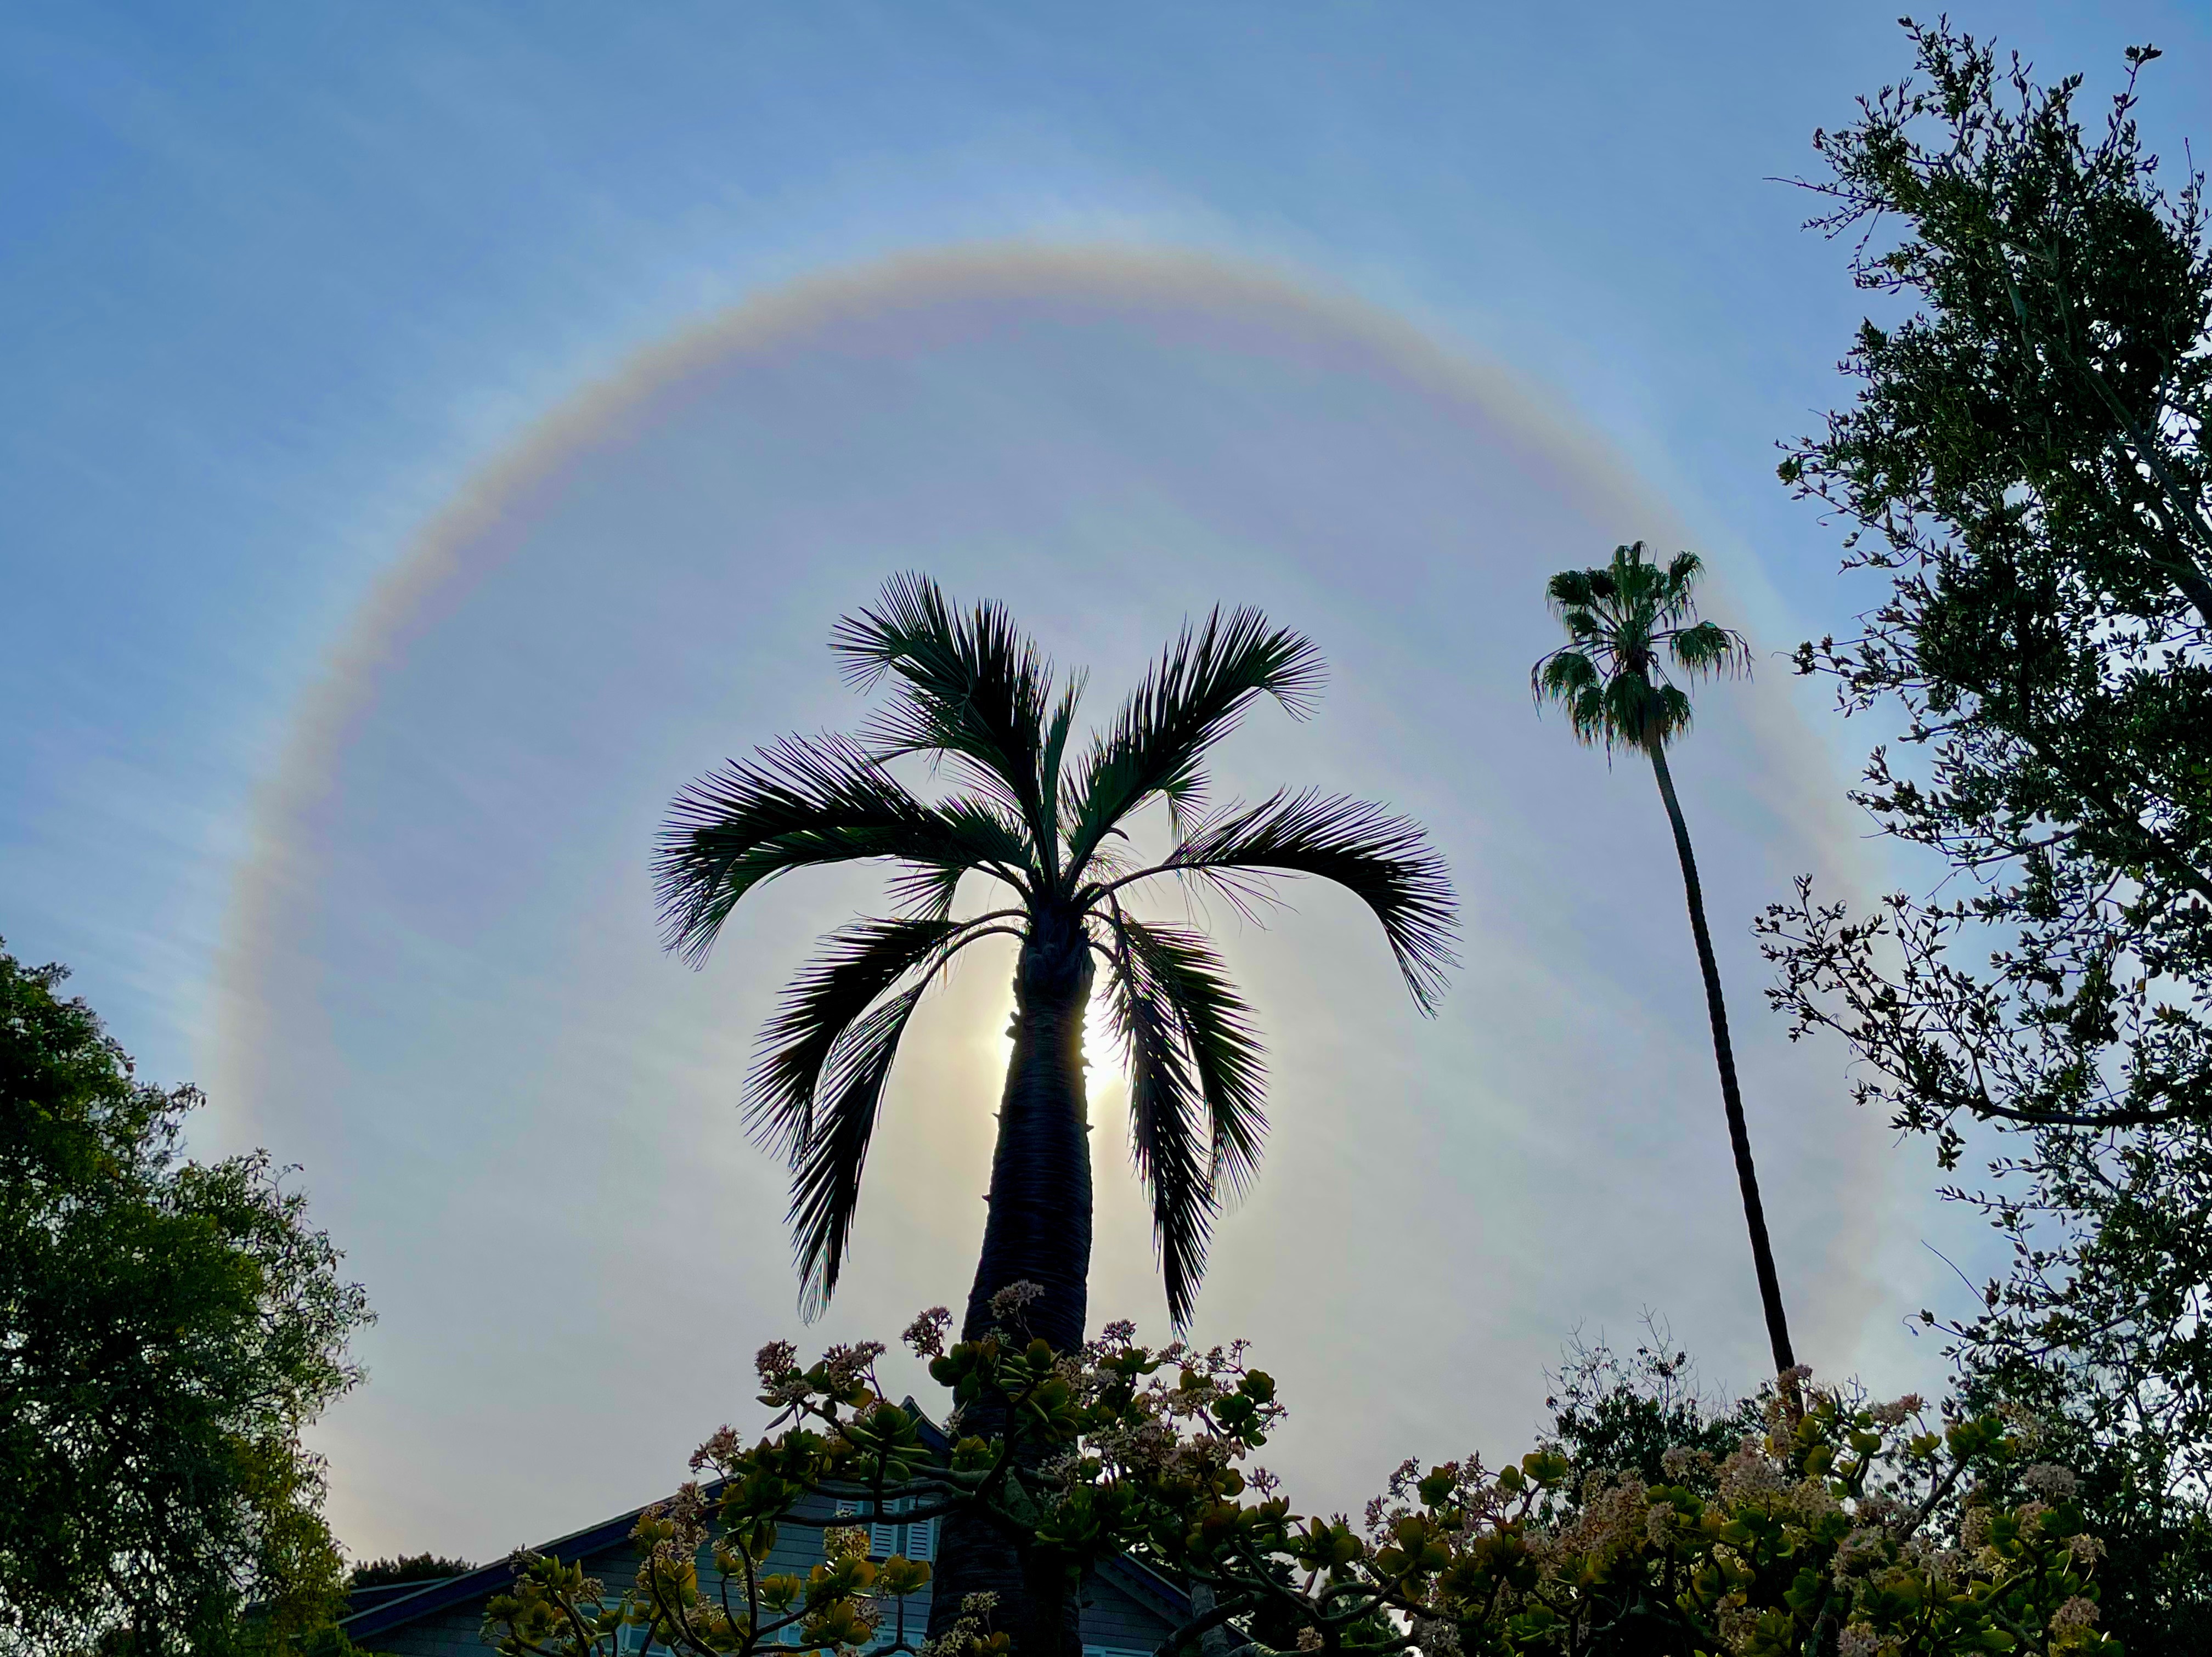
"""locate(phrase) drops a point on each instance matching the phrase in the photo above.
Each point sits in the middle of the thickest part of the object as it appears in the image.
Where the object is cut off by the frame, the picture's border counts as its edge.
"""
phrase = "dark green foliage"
(1630, 620)
(2156, 1578)
(1835, 1527)
(1643, 1416)
(2024, 465)
(165, 1330)
(1276, 1623)
(1615, 1415)
(2024, 462)
(406, 1568)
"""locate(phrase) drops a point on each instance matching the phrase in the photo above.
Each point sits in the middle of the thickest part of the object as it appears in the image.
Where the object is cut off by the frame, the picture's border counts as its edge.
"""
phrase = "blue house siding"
(449, 1633)
(1115, 1622)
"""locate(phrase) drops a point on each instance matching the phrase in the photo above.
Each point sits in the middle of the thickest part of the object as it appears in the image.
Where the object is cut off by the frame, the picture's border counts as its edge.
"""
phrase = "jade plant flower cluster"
(1846, 1526)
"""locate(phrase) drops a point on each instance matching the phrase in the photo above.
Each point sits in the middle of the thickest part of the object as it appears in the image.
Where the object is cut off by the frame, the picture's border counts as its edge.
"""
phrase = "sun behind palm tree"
(1627, 622)
(974, 694)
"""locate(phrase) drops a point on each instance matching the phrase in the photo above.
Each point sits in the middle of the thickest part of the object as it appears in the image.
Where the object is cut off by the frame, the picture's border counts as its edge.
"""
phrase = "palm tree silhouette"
(973, 694)
(1625, 622)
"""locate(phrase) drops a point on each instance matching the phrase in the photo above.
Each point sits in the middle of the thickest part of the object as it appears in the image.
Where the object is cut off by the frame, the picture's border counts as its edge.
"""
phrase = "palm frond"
(825, 1191)
(1684, 570)
(1385, 861)
(1637, 712)
(801, 802)
(1610, 711)
(1166, 1140)
(1577, 589)
(1562, 676)
(1672, 716)
(927, 889)
(1050, 762)
(971, 687)
(1200, 688)
(1215, 1028)
(1709, 648)
(853, 968)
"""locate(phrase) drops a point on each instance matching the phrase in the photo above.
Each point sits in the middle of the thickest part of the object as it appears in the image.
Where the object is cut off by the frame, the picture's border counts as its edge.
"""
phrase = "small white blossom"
(1895, 1413)
(1014, 1298)
(2023, 1423)
(1435, 1637)
(1748, 1473)
(2076, 1614)
(926, 1334)
(774, 1361)
(1861, 1552)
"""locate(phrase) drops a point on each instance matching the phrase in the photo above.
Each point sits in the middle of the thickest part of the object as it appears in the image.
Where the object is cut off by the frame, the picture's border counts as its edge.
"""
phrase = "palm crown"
(1627, 619)
(1045, 832)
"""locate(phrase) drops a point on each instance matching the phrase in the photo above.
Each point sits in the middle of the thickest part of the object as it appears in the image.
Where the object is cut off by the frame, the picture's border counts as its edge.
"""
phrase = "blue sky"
(277, 283)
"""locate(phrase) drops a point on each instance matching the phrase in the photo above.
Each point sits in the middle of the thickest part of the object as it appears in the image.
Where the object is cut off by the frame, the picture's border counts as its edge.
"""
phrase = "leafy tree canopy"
(2024, 464)
(406, 1568)
(1618, 1413)
(167, 1328)
(1854, 1526)
(2024, 460)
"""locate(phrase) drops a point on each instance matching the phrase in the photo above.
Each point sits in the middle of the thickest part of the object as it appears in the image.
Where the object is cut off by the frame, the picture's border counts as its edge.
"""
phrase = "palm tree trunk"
(1038, 1231)
(1754, 1214)
(1039, 1226)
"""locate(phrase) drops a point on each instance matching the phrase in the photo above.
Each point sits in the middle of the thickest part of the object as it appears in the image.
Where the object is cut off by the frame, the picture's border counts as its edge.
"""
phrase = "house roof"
(410, 1601)
(389, 1606)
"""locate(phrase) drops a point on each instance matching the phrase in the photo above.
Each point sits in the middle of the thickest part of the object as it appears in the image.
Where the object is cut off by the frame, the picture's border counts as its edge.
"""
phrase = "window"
(885, 1539)
(883, 1536)
(887, 1536)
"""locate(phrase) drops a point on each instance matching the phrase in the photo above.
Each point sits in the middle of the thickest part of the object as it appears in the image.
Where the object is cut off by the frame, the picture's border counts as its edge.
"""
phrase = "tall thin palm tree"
(1048, 837)
(1625, 622)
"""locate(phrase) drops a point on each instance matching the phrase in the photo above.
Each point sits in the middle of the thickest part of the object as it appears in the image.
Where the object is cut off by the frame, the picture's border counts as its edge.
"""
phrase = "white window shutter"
(883, 1540)
(921, 1541)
